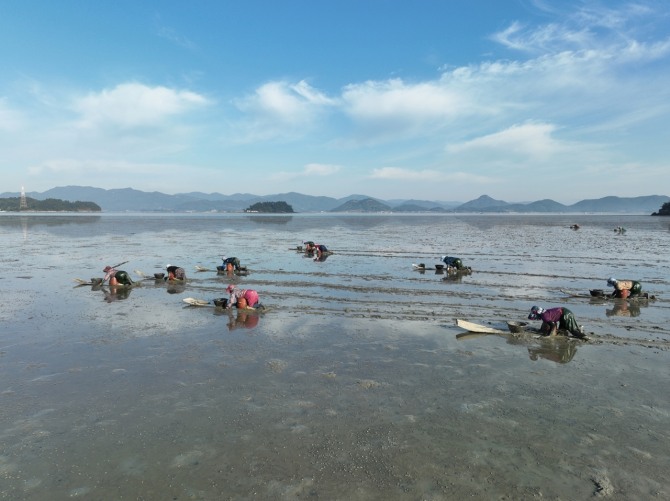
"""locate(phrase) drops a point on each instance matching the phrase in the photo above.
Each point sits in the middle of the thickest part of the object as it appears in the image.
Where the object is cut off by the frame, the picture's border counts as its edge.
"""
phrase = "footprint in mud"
(277, 366)
(191, 458)
(368, 384)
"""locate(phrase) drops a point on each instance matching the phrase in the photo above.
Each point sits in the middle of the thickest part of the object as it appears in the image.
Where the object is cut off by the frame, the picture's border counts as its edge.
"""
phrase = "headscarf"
(109, 272)
(535, 313)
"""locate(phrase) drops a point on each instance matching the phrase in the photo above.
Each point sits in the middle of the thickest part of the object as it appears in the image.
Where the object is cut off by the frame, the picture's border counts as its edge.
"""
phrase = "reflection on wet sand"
(243, 320)
(624, 309)
(118, 293)
(559, 349)
(269, 219)
(60, 224)
(175, 287)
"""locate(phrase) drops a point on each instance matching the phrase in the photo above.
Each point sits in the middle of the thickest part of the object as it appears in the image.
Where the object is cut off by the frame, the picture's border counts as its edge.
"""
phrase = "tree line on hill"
(270, 208)
(664, 210)
(48, 205)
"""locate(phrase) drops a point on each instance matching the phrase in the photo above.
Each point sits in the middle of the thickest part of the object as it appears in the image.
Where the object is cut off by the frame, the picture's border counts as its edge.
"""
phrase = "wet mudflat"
(355, 383)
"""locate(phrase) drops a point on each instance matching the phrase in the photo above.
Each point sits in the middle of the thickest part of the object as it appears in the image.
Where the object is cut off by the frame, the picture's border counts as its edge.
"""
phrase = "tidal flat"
(355, 382)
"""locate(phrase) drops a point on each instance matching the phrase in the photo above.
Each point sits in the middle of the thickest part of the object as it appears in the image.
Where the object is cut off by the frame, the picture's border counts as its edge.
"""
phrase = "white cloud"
(529, 139)
(135, 105)
(310, 170)
(285, 102)
(394, 99)
(321, 169)
(279, 109)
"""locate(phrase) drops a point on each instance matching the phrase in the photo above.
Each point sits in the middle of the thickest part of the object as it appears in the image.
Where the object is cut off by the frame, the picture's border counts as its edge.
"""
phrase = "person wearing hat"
(229, 264)
(625, 288)
(454, 263)
(242, 298)
(116, 277)
(555, 319)
(175, 272)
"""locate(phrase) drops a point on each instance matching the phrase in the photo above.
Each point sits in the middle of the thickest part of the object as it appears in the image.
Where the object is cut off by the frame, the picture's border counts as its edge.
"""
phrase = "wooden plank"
(473, 327)
(196, 302)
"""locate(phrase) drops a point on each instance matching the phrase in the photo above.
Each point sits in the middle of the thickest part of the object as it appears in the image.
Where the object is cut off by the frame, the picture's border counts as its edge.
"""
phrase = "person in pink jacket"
(242, 298)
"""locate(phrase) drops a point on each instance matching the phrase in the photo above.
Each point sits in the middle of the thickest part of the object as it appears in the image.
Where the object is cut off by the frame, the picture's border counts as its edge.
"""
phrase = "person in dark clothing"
(232, 261)
(454, 264)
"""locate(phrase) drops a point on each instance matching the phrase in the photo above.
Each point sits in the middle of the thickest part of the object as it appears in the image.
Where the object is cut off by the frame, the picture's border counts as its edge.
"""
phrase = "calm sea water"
(354, 383)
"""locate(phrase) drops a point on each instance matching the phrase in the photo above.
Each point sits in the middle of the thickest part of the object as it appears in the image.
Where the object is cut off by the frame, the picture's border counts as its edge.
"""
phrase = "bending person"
(242, 298)
(554, 319)
(116, 277)
(230, 263)
(175, 272)
(317, 249)
(454, 263)
(625, 288)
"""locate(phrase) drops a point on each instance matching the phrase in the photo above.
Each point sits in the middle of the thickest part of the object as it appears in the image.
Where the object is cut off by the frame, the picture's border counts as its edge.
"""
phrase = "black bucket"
(221, 302)
(516, 327)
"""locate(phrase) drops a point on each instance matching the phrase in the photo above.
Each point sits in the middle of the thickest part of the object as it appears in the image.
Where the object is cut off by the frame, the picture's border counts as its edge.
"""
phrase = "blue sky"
(433, 99)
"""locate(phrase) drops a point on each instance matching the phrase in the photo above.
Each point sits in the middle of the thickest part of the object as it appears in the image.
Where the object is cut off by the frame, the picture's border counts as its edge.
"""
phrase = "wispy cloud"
(108, 173)
(321, 169)
(402, 174)
(600, 28)
(529, 139)
(111, 168)
(169, 33)
(310, 170)
(10, 119)
(405, 174)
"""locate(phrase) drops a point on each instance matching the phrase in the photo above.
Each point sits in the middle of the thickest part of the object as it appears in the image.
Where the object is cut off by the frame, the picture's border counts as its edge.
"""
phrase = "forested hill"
(664, 210)
(48, 205)
(271, 208)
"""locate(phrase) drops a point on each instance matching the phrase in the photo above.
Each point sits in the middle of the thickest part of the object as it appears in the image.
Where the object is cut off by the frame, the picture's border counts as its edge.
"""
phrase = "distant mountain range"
(130, 200)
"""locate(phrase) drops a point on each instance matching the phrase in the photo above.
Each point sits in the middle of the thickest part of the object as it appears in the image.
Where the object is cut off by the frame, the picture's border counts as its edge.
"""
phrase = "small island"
(664, 210)
(270, 208)
(17, 204)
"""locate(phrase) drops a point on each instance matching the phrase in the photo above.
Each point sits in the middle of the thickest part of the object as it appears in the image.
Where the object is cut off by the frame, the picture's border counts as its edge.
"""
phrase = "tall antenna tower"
(23, 204)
